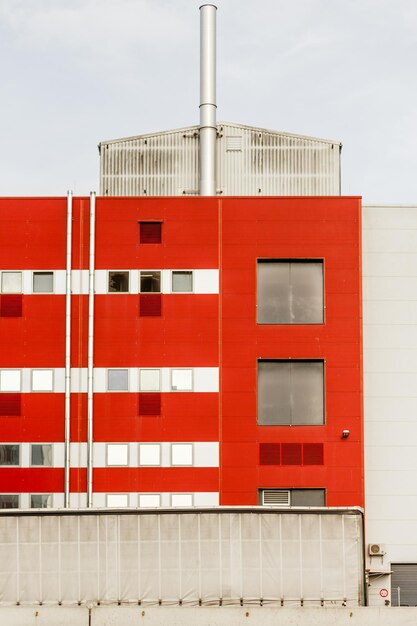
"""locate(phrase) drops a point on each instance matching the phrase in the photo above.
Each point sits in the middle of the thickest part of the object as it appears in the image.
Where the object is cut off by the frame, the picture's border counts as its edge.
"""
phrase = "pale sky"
(75, 72)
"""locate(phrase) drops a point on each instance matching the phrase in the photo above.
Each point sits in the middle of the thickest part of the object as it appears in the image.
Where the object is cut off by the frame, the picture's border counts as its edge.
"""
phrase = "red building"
(219, 361)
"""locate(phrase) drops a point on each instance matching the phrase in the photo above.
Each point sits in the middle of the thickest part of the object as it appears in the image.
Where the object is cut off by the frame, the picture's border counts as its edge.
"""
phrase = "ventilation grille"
(150, 305)
(150, 232)
(149, 404)
(11, 305)
(10, 404)
(234, 144)
(276, 497)
(291, 454)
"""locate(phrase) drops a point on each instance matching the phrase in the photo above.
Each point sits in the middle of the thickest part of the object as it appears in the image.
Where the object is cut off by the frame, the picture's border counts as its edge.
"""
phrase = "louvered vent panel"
(150, 305)
(291, 453)
(234, 144)
(149, 404)
(10, 404)
(11, 305)
(150, 232)
(269, 453)
(313, 454)
(276, 497)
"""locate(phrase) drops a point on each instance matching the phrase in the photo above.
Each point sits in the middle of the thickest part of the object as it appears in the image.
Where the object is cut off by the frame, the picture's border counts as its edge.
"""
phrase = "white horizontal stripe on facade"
(204, 454)
(205, 379)
(78, 454)
(199, 498)
(26, 374)
(57, 500)
(59, 281)
(204, 281)
(58, 453)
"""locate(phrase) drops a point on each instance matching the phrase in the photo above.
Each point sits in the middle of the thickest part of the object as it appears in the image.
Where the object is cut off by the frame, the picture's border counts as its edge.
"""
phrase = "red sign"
(383, 593)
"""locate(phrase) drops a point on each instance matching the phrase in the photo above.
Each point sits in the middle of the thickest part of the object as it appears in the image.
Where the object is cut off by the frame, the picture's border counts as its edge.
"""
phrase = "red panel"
(78, 430)
(156, 479)
(11, 305)
(150, 232)
(149, 404)
(78, 480)
(313, 454)
(291, 453)
(31, 479)
(150, 305)
(269, 453)
(10, 404)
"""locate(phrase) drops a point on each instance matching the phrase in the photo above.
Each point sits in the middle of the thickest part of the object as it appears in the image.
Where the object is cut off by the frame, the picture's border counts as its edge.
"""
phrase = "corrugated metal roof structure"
(250, 162)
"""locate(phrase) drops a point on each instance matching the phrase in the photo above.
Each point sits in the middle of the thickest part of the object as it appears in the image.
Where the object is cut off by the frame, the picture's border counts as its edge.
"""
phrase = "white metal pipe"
(68, 353)
(208, 129)
(90, 362)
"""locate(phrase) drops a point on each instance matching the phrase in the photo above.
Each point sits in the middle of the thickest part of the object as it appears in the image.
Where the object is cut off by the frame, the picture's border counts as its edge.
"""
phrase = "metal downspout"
(90, 381)
(208, 128)
(68, 290)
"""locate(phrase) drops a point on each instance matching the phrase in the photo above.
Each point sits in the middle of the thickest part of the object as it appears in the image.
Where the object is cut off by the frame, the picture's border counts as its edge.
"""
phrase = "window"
(117, 500)
(10, 454)
(9, 501)
(181, 499)
(10, 380)
(117, 454)
(182, 281)
(149, 500)
(181, 380)
(41, 501)
(182, 454)
(118, 282)
(43, 282)
(149, 454)
(290, 291)
(292, 497)
(150, 232)
(41, 454)
(118, 380)
(42, 380)
(11, 282)
(290, 393)
(150, 282)
(149, 380)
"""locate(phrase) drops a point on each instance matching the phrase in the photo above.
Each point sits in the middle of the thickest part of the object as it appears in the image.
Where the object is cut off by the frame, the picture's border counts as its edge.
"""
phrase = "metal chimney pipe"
(208, 128)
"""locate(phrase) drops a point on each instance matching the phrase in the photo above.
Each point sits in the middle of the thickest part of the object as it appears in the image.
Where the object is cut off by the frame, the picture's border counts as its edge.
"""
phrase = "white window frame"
(141, 495)
(43, 272)
(112, 369)
(11, 369)
(108, 282)
(11, 272)
(182, 443)
(161, 278)
(12, 494)
(36, 443)
(173, 495)
(177, 369)
(147, 444)
(19, 447)
(50, 495)
(108, 445)
(178, 272)
(150, 369)
(117, 506)
(42, 369)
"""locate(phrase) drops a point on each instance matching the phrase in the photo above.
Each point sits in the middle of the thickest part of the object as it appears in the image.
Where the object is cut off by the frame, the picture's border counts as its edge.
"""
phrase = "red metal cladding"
(291, 453)
(313, 454)
(150, 232)
(269, 454)
(150, 305)
(149, 404)
(10, 404)
(11, 305)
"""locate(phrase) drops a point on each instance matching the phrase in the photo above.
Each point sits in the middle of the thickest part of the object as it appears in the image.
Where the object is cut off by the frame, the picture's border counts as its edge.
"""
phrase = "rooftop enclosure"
(211, 557)
(250, 161)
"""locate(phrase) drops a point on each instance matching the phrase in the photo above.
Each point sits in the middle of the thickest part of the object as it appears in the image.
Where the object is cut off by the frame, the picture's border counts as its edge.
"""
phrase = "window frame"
(16, 495)
(291, 361)
(182, 443)
(311, 260)
(19, 449)
(147, 444)
(173, 272)
(140, 495)
(177, 369)
(152, 243)
(11, 272)
(150, 369)
(48, 495)
(116, 506)
(41, 444)
(49, 272)
(117, 443)
(42, 369)
(118, 272)
(112, 369)
(12, 369)
(179, 506)
(151, 271)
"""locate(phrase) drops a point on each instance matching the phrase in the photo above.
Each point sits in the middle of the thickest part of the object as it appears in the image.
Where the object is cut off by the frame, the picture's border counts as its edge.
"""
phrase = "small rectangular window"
(118, 380)
(182, 380)
(10, 404)
(10, 380)
(117, 500)
(149, 500)
(182, 499)
(182, 281)
(182, 454)
(290, 392)
(117, 454)
(9, 501)
(149, 454)
(11, 305)
(118, 282)
(150, 282)
(11, 282)
(10, 454)
(290, 291)
(150, 232)
(41, 454)
(41, 501)
(43, 282)
(149, 380)
(42, 380)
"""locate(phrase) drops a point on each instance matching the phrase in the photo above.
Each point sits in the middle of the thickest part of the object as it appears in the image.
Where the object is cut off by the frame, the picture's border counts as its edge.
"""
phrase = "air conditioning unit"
(376, 549)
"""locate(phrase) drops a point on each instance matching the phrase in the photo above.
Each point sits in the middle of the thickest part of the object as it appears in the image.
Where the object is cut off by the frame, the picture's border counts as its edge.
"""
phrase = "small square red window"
(149, 404)
(10, 404)
(291, 453)
(11, 305)
(313, 454)
(269, 453)
(150, 232)
(150, 305)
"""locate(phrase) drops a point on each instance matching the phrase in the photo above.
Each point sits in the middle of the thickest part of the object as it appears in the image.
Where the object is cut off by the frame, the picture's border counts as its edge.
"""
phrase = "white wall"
(390, 380)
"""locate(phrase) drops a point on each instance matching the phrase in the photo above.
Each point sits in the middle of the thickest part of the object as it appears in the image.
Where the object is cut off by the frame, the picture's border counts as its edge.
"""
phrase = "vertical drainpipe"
(90, 370)
(68, 353)
(208, 128)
